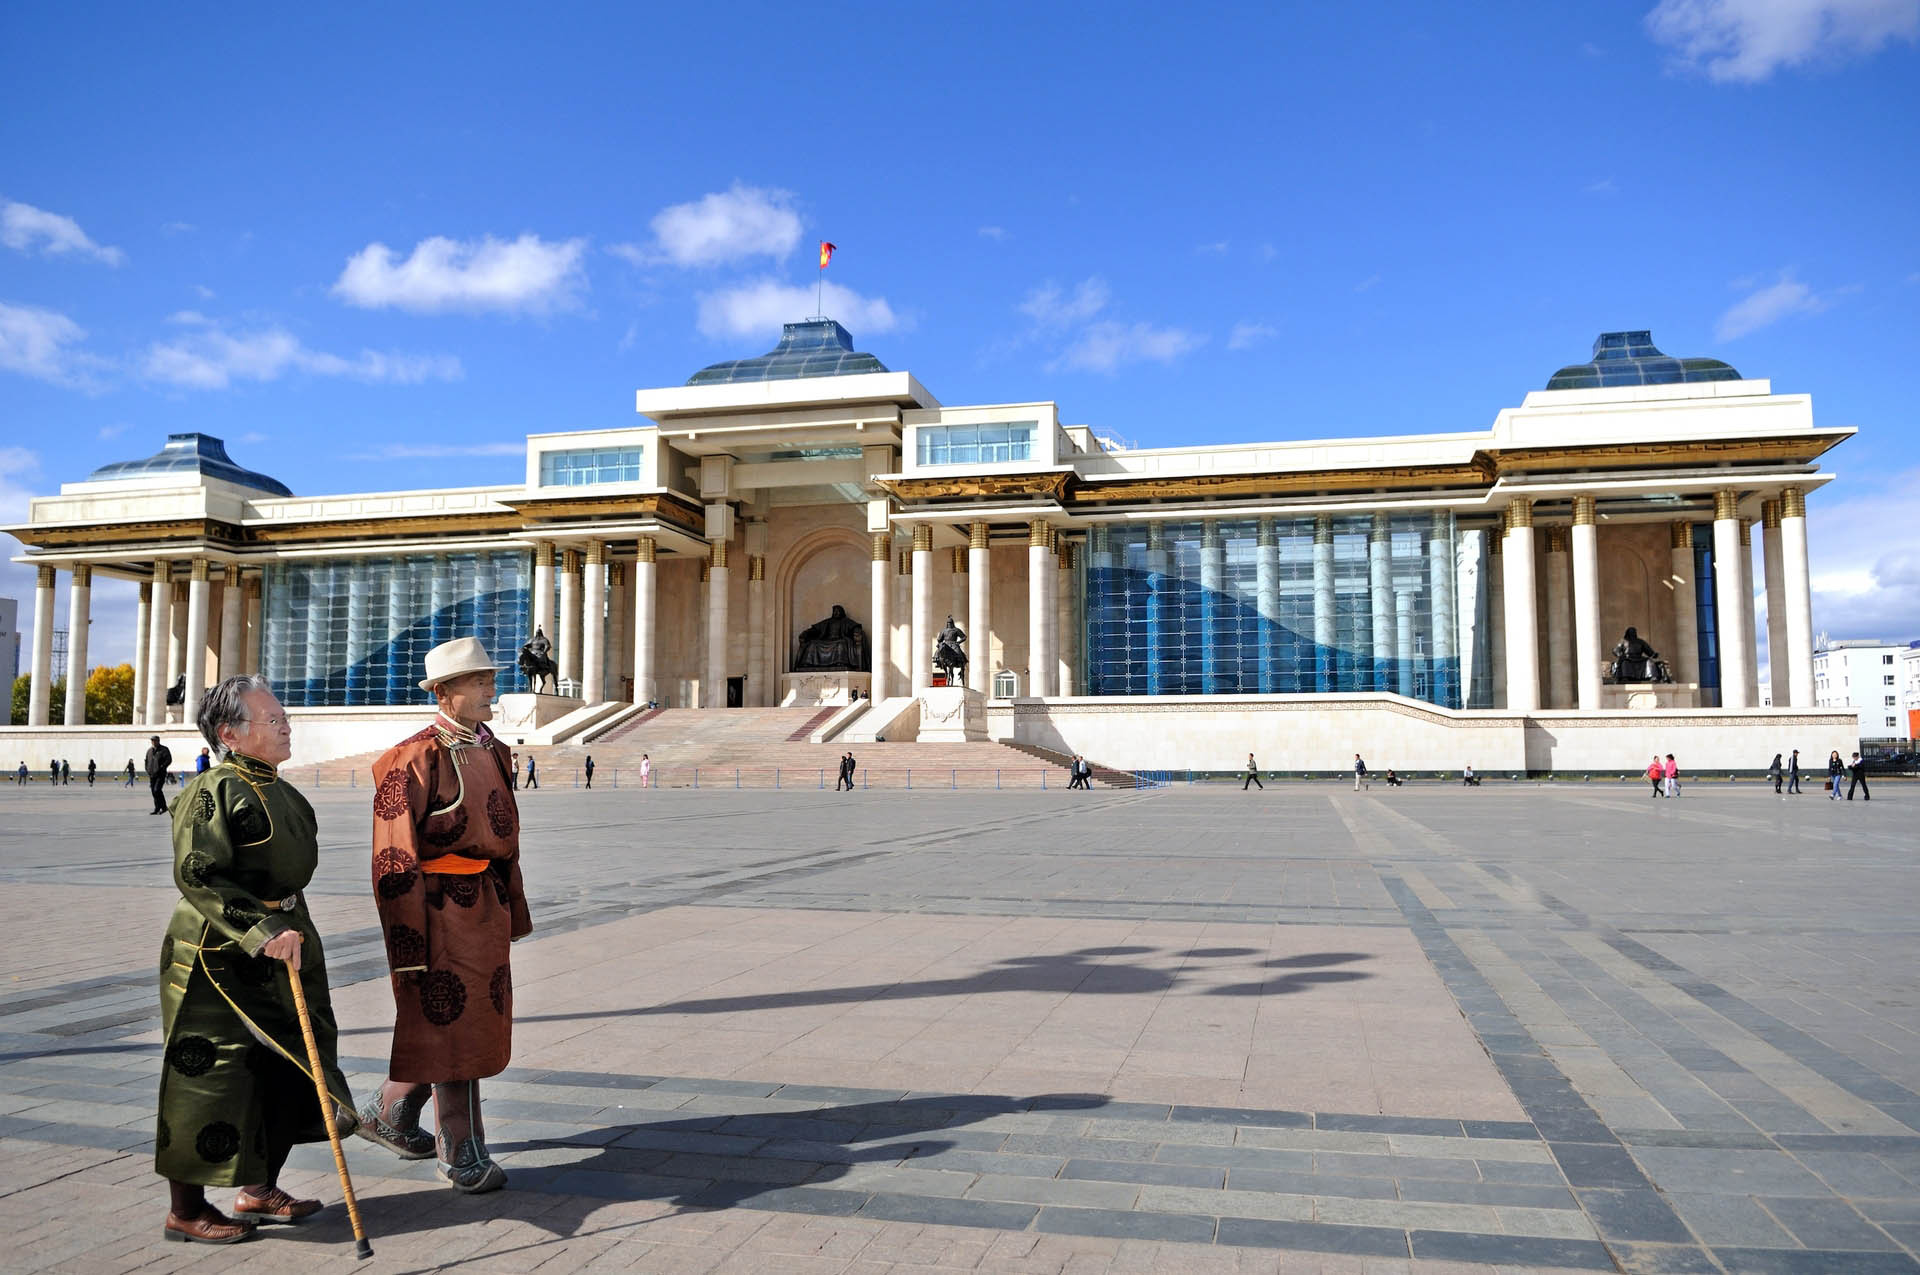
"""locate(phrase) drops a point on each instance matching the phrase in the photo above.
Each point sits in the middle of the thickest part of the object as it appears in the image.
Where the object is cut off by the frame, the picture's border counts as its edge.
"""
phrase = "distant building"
(1909, 667)
(1865, 675)
(10, 639)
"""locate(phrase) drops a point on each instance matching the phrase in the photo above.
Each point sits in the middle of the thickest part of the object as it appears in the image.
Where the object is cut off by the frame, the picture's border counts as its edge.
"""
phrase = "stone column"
(543, 593)
(1066, 648)
(718, 577)
(1447, 679)
(1324, 600)
(79, 613)
(957, 599)
(1496, 619)
(568, 647)
(1266, 590)
(1522, 618)
(40, 668)
(1559, 620)
(250, 643)
(979, 609)
(1380, 590)
(177, 636)
(1160, 588)
(645, 689)
(196, 651)
(1586, 604)
(1797, 588)
(593, 625)
(1403, 641)
(1748, 620)
(233, 623)
(160, 625)
(1728, 591)
(1685, 664)
(1774, 560)
(142, 628)
(1213, 583)
(618, 649)
(759, 680)
(880, 636)
(920, 645)
(1039, 570)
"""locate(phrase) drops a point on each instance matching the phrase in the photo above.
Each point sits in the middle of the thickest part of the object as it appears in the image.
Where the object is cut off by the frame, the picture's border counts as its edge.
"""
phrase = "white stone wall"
(319, 735)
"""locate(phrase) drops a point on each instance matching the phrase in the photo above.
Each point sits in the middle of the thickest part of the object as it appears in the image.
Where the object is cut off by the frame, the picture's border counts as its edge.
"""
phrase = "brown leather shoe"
(273, 1205)
(210, 1227)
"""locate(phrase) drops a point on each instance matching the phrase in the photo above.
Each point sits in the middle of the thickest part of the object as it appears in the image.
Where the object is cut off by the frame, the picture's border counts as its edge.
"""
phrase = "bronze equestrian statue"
(537, 663)
(948, 657)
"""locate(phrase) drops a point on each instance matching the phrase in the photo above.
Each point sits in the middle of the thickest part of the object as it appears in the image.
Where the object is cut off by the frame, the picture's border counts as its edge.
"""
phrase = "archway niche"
(827, 568)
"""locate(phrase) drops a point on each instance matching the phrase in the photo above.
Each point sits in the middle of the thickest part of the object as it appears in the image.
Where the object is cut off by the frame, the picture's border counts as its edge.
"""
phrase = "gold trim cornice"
(1680, 535)
(978, 486)
(1793, 503)
(1476, 473)
(1801, 449)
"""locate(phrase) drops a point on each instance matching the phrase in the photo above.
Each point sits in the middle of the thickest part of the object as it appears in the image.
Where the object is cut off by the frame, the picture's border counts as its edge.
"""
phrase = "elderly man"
(446, 877)
(235, 1091)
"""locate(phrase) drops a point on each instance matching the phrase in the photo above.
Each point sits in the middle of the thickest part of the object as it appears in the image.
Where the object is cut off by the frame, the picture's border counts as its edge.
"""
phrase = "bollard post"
(953, 778)
(996, 779)
(823, 779)
(736, 776)
(909, 779)
(352, 777)
(696, 776)
(1043, 778)
(863, 778)
(776, 777)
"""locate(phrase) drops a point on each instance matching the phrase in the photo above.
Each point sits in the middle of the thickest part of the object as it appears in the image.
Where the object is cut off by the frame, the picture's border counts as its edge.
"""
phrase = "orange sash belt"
(456, 865)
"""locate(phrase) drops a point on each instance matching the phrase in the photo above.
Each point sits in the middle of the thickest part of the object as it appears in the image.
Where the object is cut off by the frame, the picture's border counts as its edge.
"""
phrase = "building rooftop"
(1629, 358)
(812, 347)
(201, 454)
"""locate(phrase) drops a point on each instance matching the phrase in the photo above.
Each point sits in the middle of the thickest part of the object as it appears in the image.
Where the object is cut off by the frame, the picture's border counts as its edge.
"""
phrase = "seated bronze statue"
(837, 643)
(1635, 660)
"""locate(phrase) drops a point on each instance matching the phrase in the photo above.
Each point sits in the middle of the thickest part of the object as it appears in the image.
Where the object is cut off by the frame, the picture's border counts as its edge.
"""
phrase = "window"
(584, 467)
(990, 444)
(1892, 722)
(1887, 680)
(1005, 684)
(1893, 701)
(1886, 659)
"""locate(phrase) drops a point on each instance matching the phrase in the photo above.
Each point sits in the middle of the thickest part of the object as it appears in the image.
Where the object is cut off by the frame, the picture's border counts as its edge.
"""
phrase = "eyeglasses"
(268, 721)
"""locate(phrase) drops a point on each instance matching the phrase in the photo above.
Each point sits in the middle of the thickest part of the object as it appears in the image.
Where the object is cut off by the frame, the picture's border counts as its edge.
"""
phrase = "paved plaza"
(1186, 1030)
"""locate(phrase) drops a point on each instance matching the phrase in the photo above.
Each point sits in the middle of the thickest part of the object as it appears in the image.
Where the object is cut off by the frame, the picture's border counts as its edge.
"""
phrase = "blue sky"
(377, 254)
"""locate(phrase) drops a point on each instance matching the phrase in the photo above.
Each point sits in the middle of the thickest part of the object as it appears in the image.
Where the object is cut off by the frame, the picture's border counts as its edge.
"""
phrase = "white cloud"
(1218, 248)
(1367, 284)
(44, 344)
(1866, 557)
(529, 275)
(439, 451)
(1604, 186)
(727, 226)
(1268, 252)
(759, 307)
(1105, 346)
(1768, 305)
(1746, 41)
(24, 227)
(202, 291)
(1048, 306)
(1247, 335)
(993, 232)
(211, 358)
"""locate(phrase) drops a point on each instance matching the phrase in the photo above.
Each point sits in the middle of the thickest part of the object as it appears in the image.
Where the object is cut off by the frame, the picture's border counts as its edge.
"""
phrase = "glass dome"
(1629, 358)
(812, 347)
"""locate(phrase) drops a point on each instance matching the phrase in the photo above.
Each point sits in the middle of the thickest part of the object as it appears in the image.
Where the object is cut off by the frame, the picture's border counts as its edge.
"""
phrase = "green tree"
(110, 694)
(56, 702)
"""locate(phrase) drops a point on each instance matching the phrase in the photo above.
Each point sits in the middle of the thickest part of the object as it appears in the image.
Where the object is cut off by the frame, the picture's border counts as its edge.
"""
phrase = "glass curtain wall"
(1286, 606)
(356, 631)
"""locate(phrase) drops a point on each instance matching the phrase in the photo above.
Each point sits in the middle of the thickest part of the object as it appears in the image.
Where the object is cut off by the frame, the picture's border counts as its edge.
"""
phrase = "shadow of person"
(788, 1160)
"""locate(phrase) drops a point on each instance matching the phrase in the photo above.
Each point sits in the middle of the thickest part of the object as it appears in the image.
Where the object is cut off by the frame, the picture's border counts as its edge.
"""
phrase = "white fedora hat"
(451, 659)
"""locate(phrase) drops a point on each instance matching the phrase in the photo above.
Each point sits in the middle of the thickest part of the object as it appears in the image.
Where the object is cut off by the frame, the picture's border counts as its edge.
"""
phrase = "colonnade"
(1577, 650)
(173, 623)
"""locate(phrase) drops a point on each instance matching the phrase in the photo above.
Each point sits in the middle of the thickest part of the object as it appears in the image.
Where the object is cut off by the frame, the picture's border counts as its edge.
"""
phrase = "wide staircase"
(758, 748)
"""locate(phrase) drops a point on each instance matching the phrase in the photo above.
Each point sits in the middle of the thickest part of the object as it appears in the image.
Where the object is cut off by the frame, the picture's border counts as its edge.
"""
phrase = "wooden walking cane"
(360, 1246)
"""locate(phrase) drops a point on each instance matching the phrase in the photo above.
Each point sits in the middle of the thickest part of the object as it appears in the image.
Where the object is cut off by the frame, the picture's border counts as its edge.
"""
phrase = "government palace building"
(1430, 601)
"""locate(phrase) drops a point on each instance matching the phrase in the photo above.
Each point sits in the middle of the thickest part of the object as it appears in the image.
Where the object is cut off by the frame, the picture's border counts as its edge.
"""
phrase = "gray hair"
(223, 705)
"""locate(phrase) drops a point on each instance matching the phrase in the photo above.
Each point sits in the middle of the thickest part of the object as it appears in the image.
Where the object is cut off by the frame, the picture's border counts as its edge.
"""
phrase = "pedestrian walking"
(130, 772)
(90, 772)
(533, 776)
(20, 776)
(201, 763)
(1858, 779)
(53, 772)
(1468, 779)
(1253, 775)
(646, 771)
(446, 876)
(843, 780)
(159, 757)
(589, 769)
(66, 773)
(1672, 769)
(1835, 769)
(1793, 772)
(1656, 774)
(1777, 772)
(513, 770)
(236, 1095)
(1359, 773)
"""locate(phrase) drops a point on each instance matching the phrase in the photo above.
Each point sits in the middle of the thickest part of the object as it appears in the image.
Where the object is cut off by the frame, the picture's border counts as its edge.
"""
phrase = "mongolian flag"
(826, 253)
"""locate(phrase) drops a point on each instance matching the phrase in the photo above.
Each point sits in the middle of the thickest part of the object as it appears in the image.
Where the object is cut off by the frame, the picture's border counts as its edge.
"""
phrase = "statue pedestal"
(822, 689)
(952, 715)
(1649, 696)
(525, 712)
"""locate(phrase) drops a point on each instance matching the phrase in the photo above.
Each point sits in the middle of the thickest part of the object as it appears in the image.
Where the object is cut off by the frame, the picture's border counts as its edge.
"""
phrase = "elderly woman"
(446, 878)
(235, 1092)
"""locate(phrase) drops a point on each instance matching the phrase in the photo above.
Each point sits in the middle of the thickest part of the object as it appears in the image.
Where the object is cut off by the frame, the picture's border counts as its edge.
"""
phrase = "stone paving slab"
(1188, 1030)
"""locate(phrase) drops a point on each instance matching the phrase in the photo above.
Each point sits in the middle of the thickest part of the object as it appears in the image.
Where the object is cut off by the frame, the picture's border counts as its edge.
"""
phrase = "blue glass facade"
(1229, 607)
(988, 444)
(353, 631)
(1706, 612)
